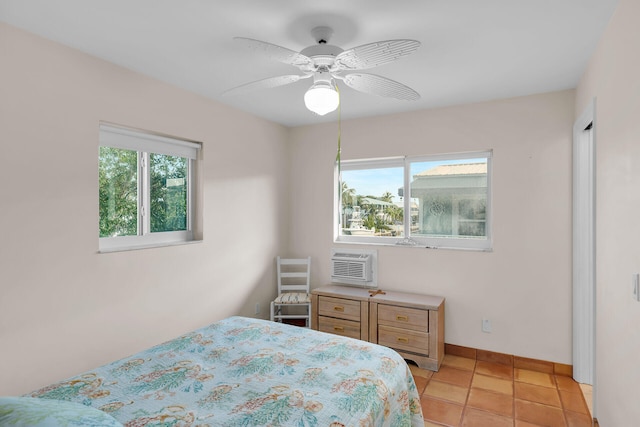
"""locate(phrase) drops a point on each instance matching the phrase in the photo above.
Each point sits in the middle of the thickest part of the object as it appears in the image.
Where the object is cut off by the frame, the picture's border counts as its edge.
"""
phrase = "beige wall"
(64, 308)
(524, 285)
(613, 78)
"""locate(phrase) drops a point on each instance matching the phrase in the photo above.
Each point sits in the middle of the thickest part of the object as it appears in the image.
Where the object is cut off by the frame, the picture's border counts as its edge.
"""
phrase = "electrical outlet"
(257, 308)
(486, 325)
(635, 280)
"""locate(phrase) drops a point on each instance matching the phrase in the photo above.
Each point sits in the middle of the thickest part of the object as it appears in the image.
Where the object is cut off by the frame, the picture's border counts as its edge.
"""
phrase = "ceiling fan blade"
(381, 86)
(373, 54)
(268, 83)
(276, 52)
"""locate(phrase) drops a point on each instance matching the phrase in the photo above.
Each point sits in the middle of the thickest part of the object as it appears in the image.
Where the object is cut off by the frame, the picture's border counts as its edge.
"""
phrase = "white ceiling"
(471, 50)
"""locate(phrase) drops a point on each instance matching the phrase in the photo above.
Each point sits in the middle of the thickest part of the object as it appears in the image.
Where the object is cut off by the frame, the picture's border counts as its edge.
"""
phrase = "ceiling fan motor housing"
(322, 54)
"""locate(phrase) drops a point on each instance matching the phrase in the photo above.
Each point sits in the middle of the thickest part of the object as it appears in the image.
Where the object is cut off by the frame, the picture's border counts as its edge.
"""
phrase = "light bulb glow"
(321, 98)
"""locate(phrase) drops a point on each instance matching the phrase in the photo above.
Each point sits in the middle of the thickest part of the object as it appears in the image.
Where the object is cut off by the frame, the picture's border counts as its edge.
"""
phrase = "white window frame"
(144, 144)
(484, 244)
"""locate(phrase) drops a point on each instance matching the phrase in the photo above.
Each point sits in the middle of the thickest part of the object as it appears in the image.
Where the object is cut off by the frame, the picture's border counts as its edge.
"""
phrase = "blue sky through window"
(375, 182)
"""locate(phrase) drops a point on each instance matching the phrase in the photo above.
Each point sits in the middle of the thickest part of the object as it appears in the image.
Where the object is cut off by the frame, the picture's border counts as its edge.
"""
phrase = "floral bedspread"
(249, 372)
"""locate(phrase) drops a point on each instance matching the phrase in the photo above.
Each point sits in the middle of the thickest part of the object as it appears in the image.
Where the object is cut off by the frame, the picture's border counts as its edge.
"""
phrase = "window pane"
(118, 181)
(450, 198)
(168, 193)
(372, 203)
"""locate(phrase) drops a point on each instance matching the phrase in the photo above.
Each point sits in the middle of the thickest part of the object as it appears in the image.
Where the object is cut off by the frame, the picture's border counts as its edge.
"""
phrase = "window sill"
(417, 246)
(147, 246)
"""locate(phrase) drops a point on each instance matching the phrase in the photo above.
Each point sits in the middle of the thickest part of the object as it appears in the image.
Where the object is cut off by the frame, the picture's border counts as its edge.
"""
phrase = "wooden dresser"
(411, 324)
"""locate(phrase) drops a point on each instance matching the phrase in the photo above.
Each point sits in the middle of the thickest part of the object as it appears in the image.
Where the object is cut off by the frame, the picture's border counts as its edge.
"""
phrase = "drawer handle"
(402, 318)
(338, 308)
(338, 328)
(404, 340)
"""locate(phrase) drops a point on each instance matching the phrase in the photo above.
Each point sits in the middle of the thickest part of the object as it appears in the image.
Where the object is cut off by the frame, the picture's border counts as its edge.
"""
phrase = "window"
(447, 204)
(145, 189)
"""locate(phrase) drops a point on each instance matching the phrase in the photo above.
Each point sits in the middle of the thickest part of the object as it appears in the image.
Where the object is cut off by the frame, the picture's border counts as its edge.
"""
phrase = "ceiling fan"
(327, 63)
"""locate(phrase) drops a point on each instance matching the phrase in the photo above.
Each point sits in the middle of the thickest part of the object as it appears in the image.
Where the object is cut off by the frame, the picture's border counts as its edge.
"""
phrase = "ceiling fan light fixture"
(322, 98)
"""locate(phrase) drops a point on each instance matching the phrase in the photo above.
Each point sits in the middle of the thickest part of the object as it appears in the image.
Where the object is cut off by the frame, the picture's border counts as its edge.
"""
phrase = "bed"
(251, 372)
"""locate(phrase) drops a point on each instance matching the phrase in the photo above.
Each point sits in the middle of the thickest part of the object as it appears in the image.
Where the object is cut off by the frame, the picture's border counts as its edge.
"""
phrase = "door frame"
(584, 247)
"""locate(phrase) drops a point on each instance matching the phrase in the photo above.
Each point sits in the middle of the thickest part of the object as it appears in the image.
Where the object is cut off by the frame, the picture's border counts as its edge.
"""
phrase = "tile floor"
(470, 393)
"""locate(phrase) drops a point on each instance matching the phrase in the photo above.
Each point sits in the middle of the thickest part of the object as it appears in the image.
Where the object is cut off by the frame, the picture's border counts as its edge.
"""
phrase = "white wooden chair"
(294, 275)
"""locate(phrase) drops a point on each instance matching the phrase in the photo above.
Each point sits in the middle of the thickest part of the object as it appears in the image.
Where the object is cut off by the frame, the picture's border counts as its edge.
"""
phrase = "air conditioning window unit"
(354, 267)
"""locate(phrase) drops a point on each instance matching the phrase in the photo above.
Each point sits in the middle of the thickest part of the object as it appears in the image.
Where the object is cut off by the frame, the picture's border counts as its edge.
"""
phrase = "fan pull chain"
(338, 161)
(339, 131)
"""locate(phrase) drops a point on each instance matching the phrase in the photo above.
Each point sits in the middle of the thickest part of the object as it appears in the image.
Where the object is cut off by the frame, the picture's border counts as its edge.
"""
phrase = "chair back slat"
(294, 274)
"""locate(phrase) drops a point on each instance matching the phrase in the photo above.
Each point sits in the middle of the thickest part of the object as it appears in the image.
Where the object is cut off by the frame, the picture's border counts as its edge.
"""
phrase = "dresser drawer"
(340, 308)
(403, 339)
(346, 328)
(403, 317)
